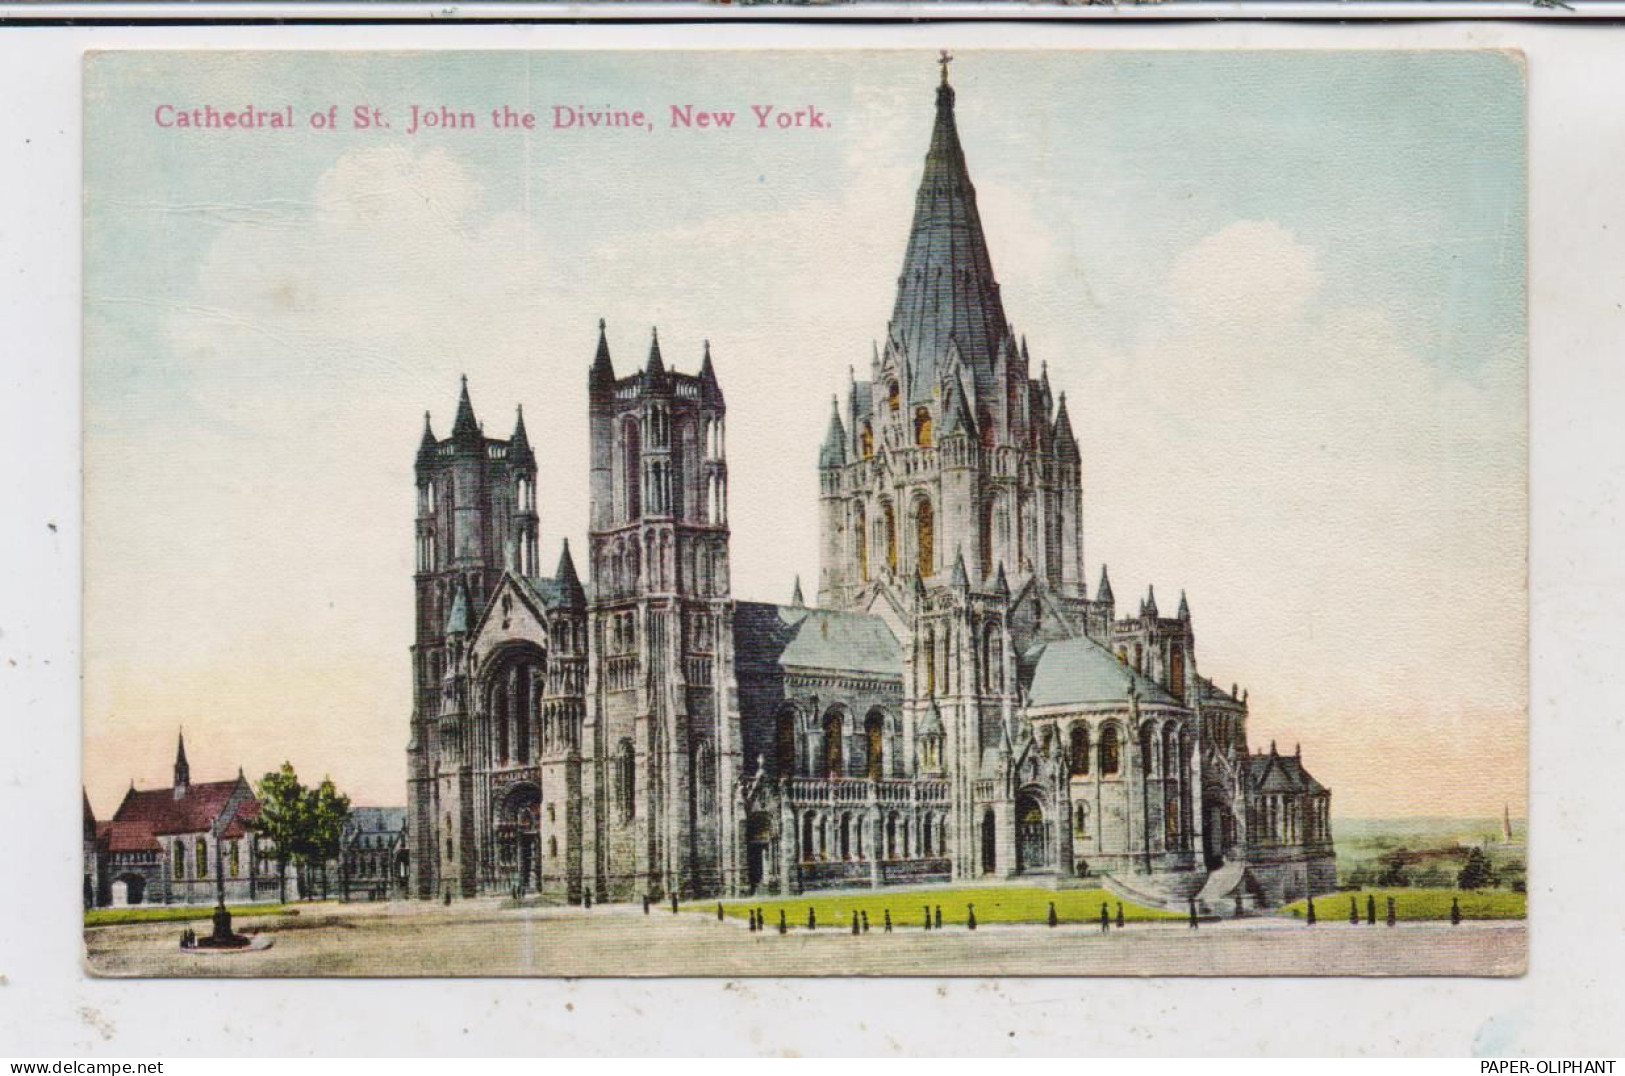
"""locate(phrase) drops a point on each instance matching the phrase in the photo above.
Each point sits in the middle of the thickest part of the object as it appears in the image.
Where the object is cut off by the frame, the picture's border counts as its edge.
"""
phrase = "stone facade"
(957, 705)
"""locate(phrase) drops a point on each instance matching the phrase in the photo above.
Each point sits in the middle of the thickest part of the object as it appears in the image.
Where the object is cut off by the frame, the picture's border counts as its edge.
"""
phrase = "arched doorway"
(758, 846)
(990, 842)
(1213, 819)
(517, 848)
(1032, 834)
(784, 743)
(129, 889)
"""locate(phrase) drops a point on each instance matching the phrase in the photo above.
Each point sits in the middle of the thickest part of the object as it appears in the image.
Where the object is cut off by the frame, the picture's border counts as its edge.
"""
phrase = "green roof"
(1082, 671)
(788, 635)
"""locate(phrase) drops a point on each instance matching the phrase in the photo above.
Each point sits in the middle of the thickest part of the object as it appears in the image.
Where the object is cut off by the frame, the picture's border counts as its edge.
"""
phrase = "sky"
(1284, 293)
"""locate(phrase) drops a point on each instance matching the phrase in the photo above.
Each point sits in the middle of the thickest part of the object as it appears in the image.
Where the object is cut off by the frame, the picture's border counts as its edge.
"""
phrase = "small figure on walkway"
(1371, 909)
(812, 919)
(866, 922)
(1391, 917)
(1311, 916)
(1354, 912)
(1455, 912)
(1119, 915)
(1194, 923)
(645, 904)
(970, 916)
(752, 917)
(938, 923)
(854, 924)
(674, 904)
(448, 898)
(719, 911)
(588, 895)
(888, 920)
(1241, 898)
(784, 928)
(928, 917)
(1105, 918)
(1054, 920)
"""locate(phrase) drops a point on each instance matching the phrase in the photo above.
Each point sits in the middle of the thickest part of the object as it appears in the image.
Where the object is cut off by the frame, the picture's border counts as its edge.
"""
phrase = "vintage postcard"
(805, 513)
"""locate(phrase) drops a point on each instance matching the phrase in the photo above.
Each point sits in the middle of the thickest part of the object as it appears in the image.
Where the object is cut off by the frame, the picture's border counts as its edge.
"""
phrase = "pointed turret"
(795, 598)
(183, 771)
(465, 426)
(656, 367)
(426, 446)
(569, 582)
(1184, 607)
(960, 580)
(833, 453)
(457, 619)
(521, 441)
(710, 388)
(1103, 593)
(1001, 584)
(1150, 607)
(1066, 442)
(947, 288)
(603, 371)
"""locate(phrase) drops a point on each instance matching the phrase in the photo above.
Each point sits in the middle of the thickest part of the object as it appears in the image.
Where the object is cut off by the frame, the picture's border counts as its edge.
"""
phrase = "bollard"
(783, 926)
(1455, 912)
(812, 920)
(1105, 919)
(761, 921)
(1354, 912)
(751, 925)
(888, 920)
(1193, 914)
(589, 900)
(928, 918)
(854, 924)
(938, 923)
(970, 916)
(866, 922)
(1053, 919)
(719, 911)
(1371, 909)
(1311, 916)
(1119, 915)
(645, 904)
(448, 898)
(674, 904)
(1240, 899)
(1391, 917)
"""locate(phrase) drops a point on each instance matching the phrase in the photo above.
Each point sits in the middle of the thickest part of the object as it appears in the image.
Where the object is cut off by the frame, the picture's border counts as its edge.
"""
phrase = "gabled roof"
(1273, 773)
(126, 837)
(1082, 671)
(164, 813)
(376, 820)
(1212, 692)
(788, 635)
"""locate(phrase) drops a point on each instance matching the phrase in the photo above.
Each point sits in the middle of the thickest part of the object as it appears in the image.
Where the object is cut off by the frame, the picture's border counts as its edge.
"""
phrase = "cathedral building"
(956, 705)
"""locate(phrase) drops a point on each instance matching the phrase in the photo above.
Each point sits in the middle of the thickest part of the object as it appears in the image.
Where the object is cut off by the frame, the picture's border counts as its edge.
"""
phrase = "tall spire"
(1151, 601)
(465, 425)
(947, 288)
(1066, 442)
(833, 454)
(796, 598)
(183, 771)
(1103, 593)
(709, 387)
(657, 366)
(602, 369)
(520, 440)
(567, 578)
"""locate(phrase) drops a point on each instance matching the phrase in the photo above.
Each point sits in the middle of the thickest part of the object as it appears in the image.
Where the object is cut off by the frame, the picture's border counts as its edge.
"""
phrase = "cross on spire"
(944, 58)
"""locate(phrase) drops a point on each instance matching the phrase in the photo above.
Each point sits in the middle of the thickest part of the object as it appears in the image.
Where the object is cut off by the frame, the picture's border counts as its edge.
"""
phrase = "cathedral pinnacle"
(520, 440)
(796, 598)
(1151, 601)
(568, 580)
(183, 771)
(465, 425)
(602, 369)
(1103, 593)
(833, 453)
(1184, 607)
(710, 387)
(656, 368)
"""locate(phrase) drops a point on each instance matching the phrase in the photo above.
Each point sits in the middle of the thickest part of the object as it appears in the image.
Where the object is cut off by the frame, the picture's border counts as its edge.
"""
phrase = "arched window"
(626, 780)
(925, 537)
(833, 757)
(1080, 819)
(177, 860)
(862, 543)
(705, 775)
(1148, 749)
(1080, 748)
(631, 479)
(1110, 751)
(890, 518)
(984, 428)
(874, 737)
(236, 859)
(992, 660)
(922, 427)
(866, 441)
(930, 662)
(552, 846)
(202, 858)
(784, 743)
(894, 396)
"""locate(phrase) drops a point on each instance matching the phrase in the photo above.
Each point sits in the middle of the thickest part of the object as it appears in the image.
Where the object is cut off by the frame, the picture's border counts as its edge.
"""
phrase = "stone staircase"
(1215, 893)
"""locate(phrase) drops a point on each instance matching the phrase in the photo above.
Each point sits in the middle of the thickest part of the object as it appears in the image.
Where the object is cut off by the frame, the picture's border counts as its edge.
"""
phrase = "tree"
(1393, 869)
(283, 801)
(1476, 873)
(326, 812)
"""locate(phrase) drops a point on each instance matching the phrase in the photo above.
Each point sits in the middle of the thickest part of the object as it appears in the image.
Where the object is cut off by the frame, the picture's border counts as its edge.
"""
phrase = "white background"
(1571, 1003)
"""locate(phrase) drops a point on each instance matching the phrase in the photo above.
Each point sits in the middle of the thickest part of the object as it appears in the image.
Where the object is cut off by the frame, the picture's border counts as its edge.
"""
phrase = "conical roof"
(465, 425)
(569, 582)
(947, 288)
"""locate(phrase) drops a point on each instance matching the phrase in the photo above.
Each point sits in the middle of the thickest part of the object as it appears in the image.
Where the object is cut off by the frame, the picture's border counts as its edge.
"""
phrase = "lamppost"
(222, 938)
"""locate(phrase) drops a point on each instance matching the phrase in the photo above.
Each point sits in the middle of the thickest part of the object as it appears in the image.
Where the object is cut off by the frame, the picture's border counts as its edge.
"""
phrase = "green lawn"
(177, 913)
(1002, 904)
(1419, 904)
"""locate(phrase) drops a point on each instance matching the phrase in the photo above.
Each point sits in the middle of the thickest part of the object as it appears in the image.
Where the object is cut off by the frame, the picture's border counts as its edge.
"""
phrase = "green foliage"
(1476, 873)
(1434, 904)
(1393, 869)
(305, 824)
(177, 913)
